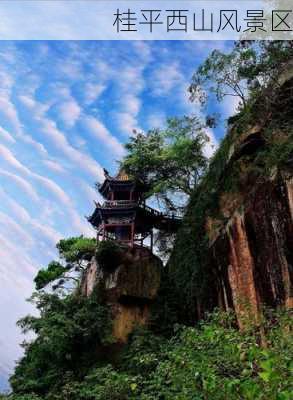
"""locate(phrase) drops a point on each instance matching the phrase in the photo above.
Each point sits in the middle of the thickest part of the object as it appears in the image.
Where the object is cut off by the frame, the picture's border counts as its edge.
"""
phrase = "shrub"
(108, 255)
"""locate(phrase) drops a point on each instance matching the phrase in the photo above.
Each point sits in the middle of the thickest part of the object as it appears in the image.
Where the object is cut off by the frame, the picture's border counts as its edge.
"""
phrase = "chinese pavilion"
(124, 215)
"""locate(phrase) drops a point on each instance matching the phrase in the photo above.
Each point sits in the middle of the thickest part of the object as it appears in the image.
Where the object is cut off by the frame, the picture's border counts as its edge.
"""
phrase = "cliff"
(130, 283)
(235, 248)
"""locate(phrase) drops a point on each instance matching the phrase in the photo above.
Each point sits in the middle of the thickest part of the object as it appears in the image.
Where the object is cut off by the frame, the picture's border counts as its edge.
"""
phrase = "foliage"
(212, 361)
(68, 332)
(167, 309)
(242, 73)
(53, 271)
(74, 253)
(76, 249)
(169, 161)
(108, 255)
(20, 397)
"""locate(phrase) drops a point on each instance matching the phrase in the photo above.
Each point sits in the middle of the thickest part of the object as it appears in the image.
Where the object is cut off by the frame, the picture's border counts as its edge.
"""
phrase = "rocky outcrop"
(256, 267)
(235, 247)
(130, 288)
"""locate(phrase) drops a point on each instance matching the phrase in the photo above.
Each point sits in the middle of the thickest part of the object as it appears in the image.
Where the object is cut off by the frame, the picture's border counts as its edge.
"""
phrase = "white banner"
(145, 20)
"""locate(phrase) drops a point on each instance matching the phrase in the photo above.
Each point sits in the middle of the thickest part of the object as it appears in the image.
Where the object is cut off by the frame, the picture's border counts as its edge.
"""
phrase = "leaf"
(265, 376)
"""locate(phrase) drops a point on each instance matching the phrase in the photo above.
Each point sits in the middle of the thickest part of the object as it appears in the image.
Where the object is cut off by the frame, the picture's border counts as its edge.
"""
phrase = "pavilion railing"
(131, 203)
(119, 203)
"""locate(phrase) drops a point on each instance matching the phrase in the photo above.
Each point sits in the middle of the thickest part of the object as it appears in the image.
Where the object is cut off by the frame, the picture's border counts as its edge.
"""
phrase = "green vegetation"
(243, 73)
(74, 254)
(170, 161)
(68, 333)
(213, 361)
(108, 255)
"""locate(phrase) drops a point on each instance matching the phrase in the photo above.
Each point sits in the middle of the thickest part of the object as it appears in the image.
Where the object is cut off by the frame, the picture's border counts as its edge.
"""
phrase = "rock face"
(256, 266)
(130, 288)
(235, 247)
(252, 251)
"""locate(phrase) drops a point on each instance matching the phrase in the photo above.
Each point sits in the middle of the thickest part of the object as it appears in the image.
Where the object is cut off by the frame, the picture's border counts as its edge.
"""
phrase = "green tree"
(169, 161)
(74, 254)
(242, 72)
(68, 332)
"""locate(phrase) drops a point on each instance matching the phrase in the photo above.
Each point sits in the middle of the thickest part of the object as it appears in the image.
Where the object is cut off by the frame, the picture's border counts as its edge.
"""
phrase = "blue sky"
(66, 108)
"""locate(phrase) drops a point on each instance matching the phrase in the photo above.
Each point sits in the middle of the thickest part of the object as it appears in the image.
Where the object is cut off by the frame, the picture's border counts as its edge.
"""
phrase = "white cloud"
(126, 122)
(15, 231)
(7, 156)
(156, 120)
(143, 51)
(9, 112)
(50, 234)
(69, 112)
(54, 166)
(46, 182)
(6, 135)
(100, 132)
(90, 192)
(81, 160)
(23, 184)
(131, 103)
(130, 79)
(53, 188)
(48, 127)
(20, 213)
(81, 225)
(92, 91)
(166, 78)
(39, 147)
(28, 101)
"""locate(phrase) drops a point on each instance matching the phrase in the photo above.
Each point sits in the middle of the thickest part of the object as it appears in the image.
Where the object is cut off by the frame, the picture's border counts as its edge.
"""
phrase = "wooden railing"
(131, 203)
(119, 203)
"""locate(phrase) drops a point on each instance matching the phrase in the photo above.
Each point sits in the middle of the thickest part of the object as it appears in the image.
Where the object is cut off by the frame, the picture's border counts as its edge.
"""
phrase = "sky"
(66, 109)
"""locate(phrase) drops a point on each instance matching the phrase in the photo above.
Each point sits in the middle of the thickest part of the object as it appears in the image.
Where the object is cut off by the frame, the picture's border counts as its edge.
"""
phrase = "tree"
(169, 161)
(74, 253)
(67, 333)
(241, 73)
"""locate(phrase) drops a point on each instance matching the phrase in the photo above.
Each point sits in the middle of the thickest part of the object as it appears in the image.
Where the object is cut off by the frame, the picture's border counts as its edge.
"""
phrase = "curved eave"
(110, 183)
(95, 219)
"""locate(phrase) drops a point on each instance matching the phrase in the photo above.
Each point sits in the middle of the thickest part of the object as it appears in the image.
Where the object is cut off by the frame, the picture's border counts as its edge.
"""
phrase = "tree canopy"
(74, 254)
(242, 72)
(68, 331)
(170, 161)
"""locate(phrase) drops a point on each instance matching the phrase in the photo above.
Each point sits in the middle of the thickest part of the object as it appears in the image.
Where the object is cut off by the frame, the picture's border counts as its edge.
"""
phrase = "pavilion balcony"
(119, 204)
